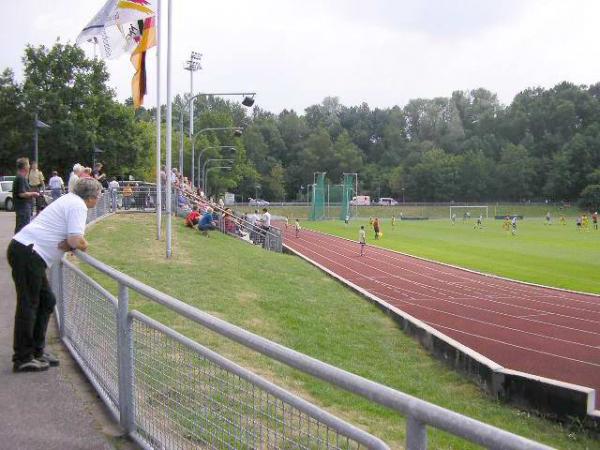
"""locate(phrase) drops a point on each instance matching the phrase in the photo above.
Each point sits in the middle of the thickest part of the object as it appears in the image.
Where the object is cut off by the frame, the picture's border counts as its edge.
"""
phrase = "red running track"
(536, 330)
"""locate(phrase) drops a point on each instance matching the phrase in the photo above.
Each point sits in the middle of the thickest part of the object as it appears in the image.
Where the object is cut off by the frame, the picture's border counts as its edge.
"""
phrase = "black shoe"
(48, 358)
(33, 365)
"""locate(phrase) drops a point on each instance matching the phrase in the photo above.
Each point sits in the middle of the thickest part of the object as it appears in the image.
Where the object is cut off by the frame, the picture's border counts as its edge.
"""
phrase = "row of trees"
(466, 147)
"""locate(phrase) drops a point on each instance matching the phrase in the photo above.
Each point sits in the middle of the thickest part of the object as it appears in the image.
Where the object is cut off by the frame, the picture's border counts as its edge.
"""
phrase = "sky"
(382, 52)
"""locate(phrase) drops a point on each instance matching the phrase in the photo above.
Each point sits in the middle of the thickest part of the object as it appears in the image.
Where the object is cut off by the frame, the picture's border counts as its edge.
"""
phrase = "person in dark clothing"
(22, 195)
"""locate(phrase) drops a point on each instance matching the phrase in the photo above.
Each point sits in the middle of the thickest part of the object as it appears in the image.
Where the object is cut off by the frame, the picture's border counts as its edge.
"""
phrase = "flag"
(115, 27)
(146, 40)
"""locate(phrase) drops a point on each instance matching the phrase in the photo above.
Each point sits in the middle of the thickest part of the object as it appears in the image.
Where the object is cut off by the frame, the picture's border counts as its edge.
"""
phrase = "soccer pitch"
(553, 255)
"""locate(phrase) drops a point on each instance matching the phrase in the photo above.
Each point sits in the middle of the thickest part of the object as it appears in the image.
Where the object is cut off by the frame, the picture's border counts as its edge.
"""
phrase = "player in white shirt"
(362, 239)
(58, 228)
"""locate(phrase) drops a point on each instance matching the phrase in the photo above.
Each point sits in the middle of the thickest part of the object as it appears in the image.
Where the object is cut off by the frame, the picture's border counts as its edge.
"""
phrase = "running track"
(536, 330)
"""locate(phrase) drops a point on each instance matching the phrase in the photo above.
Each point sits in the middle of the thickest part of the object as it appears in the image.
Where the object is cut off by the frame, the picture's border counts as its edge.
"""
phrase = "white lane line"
(362, 276)
(483, 322)
(444, 296)
(553, 355)
(499, 284)
(480, 296)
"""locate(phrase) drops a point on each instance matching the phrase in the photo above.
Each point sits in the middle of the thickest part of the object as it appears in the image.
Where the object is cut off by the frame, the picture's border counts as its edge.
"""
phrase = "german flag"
(147, 40)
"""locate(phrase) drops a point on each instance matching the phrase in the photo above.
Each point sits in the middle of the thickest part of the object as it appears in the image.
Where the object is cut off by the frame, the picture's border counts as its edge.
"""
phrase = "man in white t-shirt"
(266, 219)
(58, 228)
(113, 189)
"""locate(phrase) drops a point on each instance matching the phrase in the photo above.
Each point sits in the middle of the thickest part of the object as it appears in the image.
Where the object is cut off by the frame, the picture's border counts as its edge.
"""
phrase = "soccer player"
(563, 221)
(453, 219)
(362, 239)
(548, 218)
(595, 220)
(297, 228)
(578, 223)
(506, 224)
(479, 223)
(514, 225)
(393, 221)
(347, 219)
(376, 227)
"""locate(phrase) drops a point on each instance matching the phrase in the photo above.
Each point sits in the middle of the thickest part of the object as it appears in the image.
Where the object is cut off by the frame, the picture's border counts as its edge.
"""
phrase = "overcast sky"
(383, 52)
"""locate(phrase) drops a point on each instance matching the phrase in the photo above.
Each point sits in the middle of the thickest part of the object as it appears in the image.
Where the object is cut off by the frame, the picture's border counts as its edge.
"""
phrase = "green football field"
(554, 255)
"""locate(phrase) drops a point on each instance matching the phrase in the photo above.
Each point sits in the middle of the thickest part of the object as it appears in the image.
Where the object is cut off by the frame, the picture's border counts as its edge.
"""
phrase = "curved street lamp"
(204, 170)
(202, 153)
(218, 167)
(237, 131)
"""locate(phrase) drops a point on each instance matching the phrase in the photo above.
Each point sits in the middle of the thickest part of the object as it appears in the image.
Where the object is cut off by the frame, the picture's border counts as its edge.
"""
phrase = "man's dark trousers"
(35, 301)
(23, 218)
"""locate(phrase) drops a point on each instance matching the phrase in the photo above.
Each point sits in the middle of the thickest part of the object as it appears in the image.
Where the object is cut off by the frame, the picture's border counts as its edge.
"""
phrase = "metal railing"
(168, 391)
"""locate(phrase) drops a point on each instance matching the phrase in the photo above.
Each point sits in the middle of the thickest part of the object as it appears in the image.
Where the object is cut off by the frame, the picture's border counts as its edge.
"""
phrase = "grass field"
(554, 255)
(432, 211)
(286, 300)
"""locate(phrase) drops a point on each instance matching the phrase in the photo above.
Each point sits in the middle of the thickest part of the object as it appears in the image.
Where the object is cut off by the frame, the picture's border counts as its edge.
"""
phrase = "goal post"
(471, 211)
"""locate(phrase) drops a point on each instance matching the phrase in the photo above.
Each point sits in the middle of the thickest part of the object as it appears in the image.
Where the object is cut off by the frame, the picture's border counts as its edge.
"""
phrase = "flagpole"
(169, 126)
(158, 124)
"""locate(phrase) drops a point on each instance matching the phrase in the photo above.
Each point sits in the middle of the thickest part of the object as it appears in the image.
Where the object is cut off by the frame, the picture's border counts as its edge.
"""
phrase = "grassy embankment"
(290, 302)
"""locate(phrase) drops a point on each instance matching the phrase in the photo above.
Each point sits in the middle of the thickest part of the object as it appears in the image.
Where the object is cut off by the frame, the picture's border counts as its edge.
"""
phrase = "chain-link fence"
(169, 392)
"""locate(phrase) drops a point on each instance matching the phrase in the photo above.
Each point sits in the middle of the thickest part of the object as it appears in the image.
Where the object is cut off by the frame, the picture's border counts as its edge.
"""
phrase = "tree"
(590, 197)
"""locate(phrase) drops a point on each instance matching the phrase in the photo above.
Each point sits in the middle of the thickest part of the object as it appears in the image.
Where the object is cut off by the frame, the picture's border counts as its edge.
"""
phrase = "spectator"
(36, 184)
(86, 173)
(266, 219)
(56, 185)
(193, 217)
(59, 228)
(127, 196)
(77, 169)
(22, 195)
(98, 175)
(206, 222)
(113, 189)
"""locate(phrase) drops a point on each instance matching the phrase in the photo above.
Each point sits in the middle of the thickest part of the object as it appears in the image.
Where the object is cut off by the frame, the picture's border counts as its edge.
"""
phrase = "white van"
(387, 201)
(361, 200)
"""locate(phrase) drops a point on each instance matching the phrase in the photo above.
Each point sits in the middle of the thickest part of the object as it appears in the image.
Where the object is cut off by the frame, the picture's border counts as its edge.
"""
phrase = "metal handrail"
(419, 413)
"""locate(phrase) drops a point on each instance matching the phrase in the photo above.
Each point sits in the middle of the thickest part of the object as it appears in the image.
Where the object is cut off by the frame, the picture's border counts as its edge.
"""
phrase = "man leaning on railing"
(58, 228)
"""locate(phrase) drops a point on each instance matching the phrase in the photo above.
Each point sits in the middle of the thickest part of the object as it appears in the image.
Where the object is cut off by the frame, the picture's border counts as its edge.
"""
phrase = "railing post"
(125, 359)
(56, 283)
(416, 434)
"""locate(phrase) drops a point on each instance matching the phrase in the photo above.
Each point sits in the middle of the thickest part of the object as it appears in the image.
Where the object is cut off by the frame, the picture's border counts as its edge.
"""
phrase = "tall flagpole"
(169, 125)
(158, 124)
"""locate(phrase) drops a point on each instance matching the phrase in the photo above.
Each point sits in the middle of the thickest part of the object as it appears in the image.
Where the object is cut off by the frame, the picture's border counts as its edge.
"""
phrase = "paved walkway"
(56, 409)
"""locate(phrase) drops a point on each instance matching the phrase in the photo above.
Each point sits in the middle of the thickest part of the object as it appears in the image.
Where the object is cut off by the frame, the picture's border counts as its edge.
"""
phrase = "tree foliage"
(465, 147)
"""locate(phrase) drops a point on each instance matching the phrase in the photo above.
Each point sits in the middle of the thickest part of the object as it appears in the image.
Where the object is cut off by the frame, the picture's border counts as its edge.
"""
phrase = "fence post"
(416, 434)
(125, 359)
(60, 299)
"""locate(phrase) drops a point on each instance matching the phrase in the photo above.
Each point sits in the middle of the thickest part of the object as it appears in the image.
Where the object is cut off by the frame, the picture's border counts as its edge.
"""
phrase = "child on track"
(297, 228)
(362, 239)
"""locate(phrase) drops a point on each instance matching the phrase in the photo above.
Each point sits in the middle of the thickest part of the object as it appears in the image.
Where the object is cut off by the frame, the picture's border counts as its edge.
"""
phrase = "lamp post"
(237, 132)
(192, 65)
(247, 101)
(219, 167)
(204, 169)
(37, 124)
(95, 151)
(200, 158)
